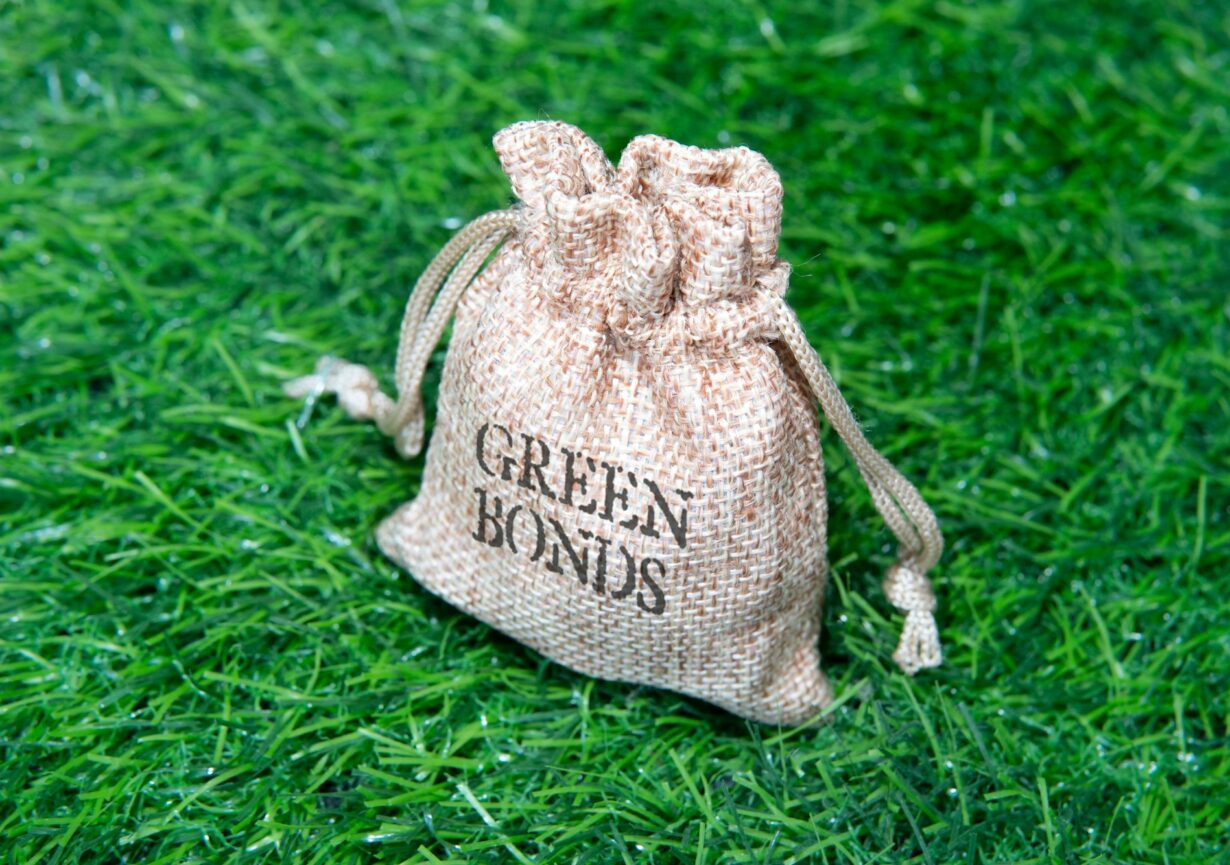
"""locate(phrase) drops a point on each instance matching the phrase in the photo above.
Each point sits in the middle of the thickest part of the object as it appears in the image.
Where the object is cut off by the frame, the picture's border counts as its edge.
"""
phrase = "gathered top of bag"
(673, 229)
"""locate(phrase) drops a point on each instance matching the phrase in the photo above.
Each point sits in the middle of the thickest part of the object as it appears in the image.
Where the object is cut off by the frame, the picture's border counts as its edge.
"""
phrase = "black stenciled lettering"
(592, 505)
(573, 480)
(659, 599)
(678, 525)
(630, 579)
(481, 442)
(614, 493)
(620, 503)
(600, 564)
(508, 523)
(540, 539)
(485, 519)
(580, 563)
(529, 467)
(507, 463)
(632, 521)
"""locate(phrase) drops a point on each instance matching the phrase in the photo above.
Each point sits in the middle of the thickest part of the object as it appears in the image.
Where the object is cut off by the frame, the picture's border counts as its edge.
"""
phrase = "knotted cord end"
(911, 592)
(356, 387)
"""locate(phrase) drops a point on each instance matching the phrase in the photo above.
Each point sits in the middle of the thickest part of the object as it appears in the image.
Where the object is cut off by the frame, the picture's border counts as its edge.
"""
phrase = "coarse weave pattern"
(625, 472)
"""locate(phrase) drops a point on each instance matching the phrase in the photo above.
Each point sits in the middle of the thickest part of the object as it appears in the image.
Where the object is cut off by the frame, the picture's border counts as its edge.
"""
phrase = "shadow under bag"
(625, 471)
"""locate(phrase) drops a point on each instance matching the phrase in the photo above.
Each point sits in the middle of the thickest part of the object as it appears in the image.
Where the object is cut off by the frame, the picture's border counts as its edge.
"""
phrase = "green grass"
(1008, 222)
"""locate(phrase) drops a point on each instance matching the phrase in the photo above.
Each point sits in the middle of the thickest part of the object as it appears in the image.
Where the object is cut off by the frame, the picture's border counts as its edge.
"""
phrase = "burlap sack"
(625, 472)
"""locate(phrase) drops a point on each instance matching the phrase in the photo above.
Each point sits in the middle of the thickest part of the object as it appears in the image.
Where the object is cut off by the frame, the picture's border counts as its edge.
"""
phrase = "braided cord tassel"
(908, 516)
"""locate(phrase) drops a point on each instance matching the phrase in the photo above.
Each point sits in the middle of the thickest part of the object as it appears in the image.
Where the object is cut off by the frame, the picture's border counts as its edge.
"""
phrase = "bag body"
(625, 472)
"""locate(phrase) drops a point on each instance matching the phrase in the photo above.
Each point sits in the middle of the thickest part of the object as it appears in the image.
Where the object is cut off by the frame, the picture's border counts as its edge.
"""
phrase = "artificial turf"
(1008, 222)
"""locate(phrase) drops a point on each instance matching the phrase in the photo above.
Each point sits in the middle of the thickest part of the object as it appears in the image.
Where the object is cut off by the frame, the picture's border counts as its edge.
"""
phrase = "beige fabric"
(625, 472)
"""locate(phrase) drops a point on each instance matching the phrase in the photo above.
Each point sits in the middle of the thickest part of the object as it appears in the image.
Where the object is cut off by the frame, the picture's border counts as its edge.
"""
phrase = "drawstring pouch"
(625, 470)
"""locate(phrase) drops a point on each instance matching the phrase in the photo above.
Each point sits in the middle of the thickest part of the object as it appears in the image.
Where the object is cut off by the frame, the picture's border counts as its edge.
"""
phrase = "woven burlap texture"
(625, 470)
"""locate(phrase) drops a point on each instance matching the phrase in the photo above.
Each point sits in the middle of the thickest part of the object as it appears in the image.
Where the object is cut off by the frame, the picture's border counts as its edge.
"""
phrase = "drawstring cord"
(908, 516)
(358, 391)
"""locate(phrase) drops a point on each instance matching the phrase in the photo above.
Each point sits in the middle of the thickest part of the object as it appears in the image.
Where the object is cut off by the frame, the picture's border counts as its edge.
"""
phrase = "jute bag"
(625, 472)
